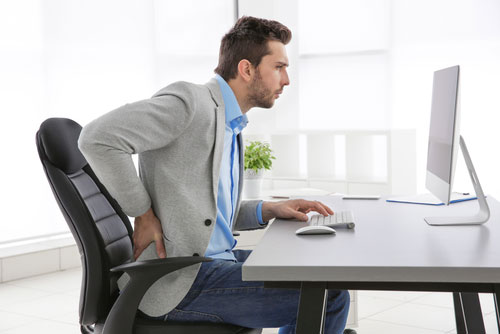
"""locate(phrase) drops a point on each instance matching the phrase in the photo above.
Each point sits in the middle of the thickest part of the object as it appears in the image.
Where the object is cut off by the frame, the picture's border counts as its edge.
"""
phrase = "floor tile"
(270, 331)
(44, 327)
(367, 326)
(404, 296)
(74, 293)
(10, 320)
(421, 316)
(11, 294)
(67, 317)
(487, 303)
(441, 299)
(368, 306)
(490, 323)
(44, 307)
(61, 281)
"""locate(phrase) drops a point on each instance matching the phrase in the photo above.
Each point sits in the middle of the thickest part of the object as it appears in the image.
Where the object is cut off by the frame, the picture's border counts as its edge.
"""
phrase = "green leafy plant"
(258, 155)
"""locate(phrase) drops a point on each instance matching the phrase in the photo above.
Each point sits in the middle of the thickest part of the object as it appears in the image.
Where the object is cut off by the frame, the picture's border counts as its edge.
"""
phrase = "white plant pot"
(252, 183)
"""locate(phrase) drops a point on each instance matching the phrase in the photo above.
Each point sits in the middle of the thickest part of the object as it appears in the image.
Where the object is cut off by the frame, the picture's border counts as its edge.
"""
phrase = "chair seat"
(150, 326)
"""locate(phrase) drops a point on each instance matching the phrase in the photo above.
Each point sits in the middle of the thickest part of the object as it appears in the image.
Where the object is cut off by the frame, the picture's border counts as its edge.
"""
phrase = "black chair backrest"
(101, 230)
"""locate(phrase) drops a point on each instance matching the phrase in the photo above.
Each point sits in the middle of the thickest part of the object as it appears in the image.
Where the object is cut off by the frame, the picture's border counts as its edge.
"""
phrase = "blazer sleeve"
(109, 142)
(247, 217)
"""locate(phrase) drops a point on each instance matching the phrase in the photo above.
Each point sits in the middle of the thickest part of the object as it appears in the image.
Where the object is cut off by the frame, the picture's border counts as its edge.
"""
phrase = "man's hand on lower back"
(147, 229)
(293, 209)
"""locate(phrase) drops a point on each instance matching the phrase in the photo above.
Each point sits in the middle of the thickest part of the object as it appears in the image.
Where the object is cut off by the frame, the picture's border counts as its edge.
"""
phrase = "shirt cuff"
(259, 213)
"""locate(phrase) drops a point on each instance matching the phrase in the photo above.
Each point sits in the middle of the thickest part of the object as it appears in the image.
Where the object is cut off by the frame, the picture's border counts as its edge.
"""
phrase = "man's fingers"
(300, 216)
(308, 206)
(325, 210)
(319, 207)
(137, 252)
(299, 208)
(328, 210)
(147, 229)
(160, 249)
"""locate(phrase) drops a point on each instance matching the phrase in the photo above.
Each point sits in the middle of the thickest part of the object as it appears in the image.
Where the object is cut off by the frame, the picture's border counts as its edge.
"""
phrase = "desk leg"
(468, 316)
(459, 313)
(312, 306)
(496, 297)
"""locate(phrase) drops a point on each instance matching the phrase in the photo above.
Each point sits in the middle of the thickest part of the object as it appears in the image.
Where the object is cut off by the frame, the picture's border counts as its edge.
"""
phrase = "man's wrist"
(145, 215)
(268, 211)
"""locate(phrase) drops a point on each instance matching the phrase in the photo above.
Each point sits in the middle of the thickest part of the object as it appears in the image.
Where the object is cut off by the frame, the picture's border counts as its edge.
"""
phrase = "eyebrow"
(282, 63)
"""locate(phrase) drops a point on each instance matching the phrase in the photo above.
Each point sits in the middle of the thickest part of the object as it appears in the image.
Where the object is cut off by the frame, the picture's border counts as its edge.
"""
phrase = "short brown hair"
(248, 40)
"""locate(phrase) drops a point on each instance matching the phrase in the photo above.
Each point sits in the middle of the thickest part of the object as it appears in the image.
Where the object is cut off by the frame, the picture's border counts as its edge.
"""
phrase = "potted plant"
(258, 157)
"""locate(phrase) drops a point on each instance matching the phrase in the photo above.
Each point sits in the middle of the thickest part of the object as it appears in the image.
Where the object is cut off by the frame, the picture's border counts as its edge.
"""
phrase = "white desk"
(391, 248)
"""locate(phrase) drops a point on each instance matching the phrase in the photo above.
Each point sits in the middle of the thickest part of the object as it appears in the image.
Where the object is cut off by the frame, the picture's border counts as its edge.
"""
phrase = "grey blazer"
(179, 136)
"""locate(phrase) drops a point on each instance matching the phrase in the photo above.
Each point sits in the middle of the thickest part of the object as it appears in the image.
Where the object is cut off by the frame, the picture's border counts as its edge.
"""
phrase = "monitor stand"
(484, 211)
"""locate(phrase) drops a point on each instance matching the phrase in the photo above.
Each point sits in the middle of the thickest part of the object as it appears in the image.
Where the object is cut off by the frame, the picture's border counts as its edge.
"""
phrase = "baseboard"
(38, 256)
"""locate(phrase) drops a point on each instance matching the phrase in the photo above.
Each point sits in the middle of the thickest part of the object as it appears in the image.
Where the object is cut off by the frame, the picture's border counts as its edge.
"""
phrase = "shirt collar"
(234, 118)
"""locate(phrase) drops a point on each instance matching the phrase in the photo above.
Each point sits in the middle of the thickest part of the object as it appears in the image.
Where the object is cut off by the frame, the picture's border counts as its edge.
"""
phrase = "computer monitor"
(444, 140)
(444, 133)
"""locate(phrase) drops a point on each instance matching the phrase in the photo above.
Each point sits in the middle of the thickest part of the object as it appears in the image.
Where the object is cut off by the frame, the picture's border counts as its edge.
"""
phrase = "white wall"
(429, 35)
(73, 59)
(359, 64)
(22, 104)
(80, 59)
(344, 64)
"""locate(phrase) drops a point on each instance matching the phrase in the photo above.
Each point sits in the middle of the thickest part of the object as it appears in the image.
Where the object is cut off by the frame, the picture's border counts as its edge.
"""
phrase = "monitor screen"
(443, 133)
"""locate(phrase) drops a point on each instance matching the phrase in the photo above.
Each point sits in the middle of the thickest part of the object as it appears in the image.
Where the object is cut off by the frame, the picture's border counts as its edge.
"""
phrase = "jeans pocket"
(192, 316)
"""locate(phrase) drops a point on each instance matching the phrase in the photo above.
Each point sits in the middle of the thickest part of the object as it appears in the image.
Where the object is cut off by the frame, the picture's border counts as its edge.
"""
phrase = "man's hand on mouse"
(147, 229)
(293, 209)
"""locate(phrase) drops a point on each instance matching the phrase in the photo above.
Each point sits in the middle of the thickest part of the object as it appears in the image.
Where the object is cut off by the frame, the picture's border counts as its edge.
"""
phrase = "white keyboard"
(338, 219)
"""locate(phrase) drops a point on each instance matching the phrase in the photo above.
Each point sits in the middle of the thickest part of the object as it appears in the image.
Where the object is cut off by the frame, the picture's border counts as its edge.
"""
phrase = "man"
(187, 198)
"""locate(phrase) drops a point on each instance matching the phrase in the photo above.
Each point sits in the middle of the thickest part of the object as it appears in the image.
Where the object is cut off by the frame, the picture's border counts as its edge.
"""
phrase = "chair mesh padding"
(115, 237)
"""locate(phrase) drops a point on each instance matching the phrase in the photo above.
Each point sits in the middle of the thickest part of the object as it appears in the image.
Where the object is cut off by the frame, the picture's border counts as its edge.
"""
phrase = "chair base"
(149, 326)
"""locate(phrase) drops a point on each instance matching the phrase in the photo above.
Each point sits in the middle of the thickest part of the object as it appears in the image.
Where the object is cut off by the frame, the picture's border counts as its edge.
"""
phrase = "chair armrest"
(159, 265)
(142, 274)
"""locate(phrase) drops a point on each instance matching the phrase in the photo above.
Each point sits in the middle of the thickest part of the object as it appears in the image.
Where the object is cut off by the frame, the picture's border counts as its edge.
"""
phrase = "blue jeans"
(219, 295)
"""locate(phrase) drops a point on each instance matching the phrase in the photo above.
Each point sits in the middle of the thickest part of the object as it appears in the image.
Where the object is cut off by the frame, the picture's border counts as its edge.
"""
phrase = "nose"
(285, 80)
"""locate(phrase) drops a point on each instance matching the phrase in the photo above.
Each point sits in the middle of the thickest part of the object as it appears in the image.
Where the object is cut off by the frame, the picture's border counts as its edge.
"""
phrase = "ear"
(245, 70)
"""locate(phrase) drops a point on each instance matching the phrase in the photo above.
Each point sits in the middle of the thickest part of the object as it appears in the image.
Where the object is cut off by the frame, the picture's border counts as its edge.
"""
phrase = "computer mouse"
(315, 230)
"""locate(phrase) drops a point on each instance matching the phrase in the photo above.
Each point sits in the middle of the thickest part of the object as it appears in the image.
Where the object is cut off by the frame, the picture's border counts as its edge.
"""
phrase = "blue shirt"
(222, 241)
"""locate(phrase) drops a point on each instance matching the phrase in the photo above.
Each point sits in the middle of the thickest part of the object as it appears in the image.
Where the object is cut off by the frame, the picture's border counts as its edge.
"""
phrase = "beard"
(259, 95)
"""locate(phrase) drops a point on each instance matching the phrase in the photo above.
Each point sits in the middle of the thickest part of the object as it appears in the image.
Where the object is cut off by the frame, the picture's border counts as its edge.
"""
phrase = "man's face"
(270, 77)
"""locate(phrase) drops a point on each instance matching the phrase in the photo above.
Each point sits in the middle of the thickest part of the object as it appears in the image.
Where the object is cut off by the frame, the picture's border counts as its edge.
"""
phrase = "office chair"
(103, 235)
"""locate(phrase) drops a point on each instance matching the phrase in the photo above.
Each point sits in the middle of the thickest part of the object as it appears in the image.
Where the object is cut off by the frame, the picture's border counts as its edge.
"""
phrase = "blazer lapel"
(220, 119)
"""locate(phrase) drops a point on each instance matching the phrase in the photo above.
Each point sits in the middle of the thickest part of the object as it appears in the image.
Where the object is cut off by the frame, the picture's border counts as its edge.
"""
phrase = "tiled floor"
(49, 303)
